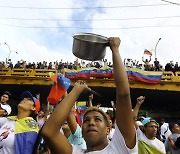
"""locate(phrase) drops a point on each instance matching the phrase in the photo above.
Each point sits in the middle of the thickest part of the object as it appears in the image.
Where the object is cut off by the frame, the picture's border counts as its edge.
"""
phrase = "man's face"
(4, 98)
(26, 104)
(110, 123)
(41, 113)
(176, 129)
(94, 128)
(151, 130)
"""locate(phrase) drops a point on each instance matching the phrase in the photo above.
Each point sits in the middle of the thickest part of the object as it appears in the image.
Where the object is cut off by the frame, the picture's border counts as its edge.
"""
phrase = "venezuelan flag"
(59, 88)
(26, 132)
(133, 74)
(82, 105)
(144, 148)
(86, 73)
(144, 76)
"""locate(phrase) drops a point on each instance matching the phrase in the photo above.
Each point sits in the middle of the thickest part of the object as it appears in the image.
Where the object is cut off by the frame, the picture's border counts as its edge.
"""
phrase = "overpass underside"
(162, 98)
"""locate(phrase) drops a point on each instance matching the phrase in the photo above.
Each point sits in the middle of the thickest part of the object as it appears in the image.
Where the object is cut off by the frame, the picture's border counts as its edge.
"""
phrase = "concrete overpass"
(162, 98)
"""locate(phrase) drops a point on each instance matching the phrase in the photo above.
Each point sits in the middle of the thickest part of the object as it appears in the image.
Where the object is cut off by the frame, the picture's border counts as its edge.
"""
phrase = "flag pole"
(156, 47)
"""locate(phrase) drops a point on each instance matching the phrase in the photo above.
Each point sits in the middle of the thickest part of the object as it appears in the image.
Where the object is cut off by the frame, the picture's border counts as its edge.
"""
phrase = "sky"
(42, 30)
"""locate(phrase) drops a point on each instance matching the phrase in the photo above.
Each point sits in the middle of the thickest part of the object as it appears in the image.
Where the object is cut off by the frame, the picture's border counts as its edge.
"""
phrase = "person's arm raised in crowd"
(47, 111)
(124, 116)
(55, 140)
(135, 111)
(90, 100)
(71, 120)
(150, 59)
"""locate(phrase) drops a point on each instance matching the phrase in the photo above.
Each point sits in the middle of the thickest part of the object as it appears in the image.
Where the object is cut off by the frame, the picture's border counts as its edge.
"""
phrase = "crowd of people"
(66, 129)
(146, 64)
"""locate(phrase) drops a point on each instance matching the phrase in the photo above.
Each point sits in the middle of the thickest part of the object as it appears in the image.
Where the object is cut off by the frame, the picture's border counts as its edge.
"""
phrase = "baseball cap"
(148, 120)
(7, 108)
(141, 117)
(27, 94)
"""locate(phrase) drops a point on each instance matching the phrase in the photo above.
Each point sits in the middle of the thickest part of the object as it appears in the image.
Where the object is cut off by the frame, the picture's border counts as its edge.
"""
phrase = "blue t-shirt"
(77, 139)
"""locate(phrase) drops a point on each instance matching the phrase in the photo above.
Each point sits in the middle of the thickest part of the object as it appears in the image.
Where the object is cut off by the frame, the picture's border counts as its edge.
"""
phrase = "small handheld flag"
(59, 88)
(147, 52)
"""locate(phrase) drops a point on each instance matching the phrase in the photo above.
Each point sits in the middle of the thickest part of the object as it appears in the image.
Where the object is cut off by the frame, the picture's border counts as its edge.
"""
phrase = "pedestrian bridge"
(162, 96)
(169, 81)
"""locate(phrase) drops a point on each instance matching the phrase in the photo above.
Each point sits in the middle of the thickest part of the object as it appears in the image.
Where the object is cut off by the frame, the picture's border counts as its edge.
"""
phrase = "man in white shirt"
(95, 127)
(5, 109)
(147, 141)
(149, 135)
(164, 130)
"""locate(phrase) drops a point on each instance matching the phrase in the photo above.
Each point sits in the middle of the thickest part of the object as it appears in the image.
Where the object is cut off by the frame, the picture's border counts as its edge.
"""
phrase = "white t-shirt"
(6, 107)
(154, 143)
(116, 146)
(7, 136)
(165, 130)
(111, 134)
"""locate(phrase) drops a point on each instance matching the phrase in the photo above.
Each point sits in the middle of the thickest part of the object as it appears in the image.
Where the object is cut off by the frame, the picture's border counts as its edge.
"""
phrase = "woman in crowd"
(18, 134)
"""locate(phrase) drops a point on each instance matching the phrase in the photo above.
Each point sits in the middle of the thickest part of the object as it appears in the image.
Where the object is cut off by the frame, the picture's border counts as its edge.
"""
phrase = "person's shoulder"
(175, 135)
(159, 142)
(3, 120)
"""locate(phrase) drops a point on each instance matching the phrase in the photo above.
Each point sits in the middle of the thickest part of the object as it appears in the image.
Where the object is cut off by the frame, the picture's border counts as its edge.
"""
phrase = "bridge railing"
(27, 72)
(19, 72)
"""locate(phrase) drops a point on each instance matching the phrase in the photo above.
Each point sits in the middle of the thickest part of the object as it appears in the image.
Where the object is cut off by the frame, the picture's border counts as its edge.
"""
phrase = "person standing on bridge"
(5, 108)
(95, 127)
(18, 134)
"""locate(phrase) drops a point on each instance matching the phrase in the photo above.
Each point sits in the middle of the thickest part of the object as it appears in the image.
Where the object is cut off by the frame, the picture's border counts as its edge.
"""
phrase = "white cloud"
(51, 44)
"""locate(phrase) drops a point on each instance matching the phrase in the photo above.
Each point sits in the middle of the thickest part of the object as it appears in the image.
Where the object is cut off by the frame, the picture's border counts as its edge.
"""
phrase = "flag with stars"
(59, 88)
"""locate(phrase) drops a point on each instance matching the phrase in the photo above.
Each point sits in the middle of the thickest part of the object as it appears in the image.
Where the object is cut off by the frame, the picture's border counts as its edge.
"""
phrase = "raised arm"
(71, 120)
(51, 129)
(135, 112)
(47, 111)
(90, 100)
(150, 59)
(124, 116)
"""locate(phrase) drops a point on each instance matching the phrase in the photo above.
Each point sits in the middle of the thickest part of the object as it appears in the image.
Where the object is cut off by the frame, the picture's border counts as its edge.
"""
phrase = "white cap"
(7, 108)
(139, 123)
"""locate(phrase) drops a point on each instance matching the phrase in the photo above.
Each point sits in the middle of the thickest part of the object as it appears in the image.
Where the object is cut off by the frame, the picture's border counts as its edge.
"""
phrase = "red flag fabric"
(147, 52)
(59, 88)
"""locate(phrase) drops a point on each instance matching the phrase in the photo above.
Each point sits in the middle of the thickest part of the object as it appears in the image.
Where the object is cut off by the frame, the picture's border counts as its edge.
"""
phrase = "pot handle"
(107, 44)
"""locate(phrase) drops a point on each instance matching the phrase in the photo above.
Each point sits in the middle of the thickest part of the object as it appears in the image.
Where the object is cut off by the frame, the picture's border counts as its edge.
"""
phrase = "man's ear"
(107, 130)
(33, 109)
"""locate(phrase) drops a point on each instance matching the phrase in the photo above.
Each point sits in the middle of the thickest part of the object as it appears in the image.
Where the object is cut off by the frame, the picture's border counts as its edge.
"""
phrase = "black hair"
(171, 125)
(100, 111)
(7, 93)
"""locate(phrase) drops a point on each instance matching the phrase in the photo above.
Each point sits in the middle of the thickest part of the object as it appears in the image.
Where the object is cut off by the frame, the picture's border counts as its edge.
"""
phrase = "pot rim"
(90, 34)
